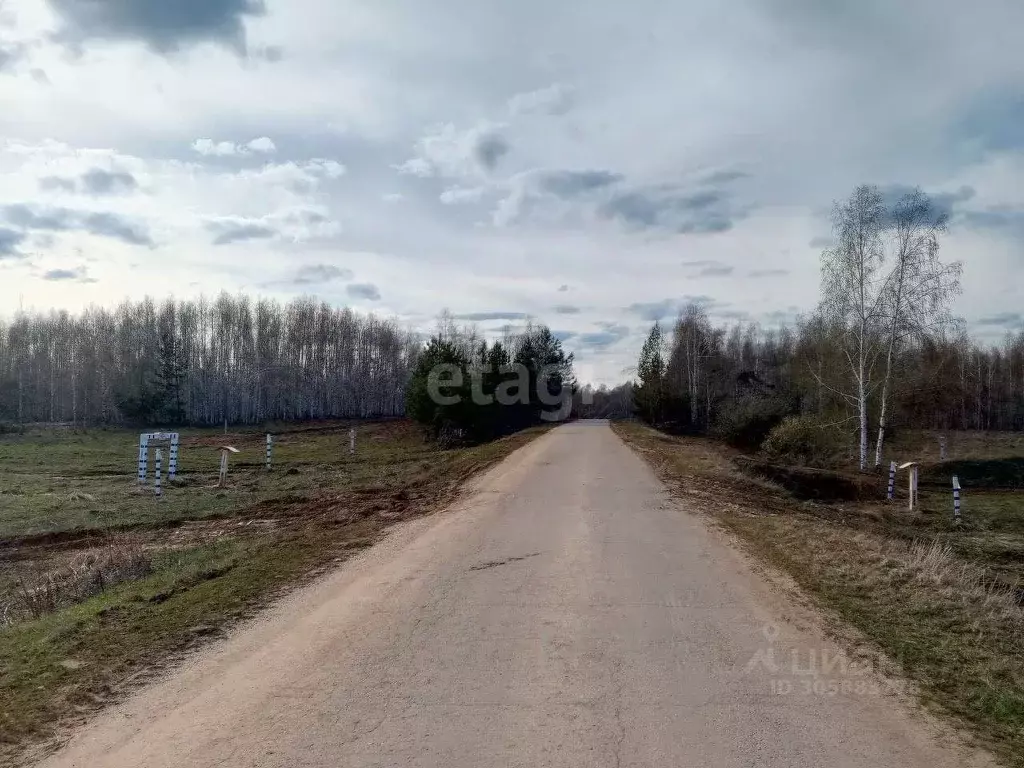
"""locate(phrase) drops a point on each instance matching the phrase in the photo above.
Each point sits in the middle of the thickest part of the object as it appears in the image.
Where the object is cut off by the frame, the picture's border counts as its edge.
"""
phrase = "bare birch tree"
(852, 293)
(918, 287)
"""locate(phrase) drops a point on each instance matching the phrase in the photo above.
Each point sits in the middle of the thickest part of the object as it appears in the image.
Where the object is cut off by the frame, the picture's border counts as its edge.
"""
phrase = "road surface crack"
(497, 563)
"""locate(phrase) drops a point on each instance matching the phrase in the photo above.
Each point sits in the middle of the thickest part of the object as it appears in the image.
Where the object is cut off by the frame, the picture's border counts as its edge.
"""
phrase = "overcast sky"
(592, 165)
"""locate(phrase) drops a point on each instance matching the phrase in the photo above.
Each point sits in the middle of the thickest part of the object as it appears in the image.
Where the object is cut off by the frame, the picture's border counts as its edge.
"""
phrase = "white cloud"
(211, 148)
(457, 195)
(555, 99)
(448, 152)
(262, 144)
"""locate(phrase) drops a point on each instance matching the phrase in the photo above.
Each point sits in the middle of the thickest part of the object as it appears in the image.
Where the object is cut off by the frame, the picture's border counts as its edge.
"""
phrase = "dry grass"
(83, 574)
(935, 616)
(936, 566)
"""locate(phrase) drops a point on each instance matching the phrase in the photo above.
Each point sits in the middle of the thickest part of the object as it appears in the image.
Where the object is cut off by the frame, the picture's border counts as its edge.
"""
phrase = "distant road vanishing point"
(566, 612)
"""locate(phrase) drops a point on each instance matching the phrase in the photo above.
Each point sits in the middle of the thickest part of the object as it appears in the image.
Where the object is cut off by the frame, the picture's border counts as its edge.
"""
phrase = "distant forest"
(203, 362)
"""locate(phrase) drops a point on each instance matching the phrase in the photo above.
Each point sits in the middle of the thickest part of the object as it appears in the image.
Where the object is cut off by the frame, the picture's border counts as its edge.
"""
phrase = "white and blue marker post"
(270, 449)
(892, 481)
(157, 470)
(956, 499)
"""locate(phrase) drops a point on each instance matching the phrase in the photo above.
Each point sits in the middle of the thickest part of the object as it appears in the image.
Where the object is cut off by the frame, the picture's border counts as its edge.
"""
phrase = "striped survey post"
(892, 480)
(143, 458)
(352, 440)
(956, 499)
(270, 449)
(156, 472)
(143, 448)
(172, 464)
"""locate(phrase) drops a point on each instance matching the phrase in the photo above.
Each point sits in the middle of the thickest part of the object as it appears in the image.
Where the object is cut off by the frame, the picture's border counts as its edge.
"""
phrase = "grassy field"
(102, 584)
(941, 603)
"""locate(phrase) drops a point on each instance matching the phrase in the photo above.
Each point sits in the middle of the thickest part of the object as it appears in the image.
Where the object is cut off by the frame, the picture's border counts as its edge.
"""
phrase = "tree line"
(464, 389)
(202, 362)
(881, 350)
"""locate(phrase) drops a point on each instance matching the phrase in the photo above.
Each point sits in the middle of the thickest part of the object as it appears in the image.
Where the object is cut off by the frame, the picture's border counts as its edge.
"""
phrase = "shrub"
(805, 441)
(746, 422)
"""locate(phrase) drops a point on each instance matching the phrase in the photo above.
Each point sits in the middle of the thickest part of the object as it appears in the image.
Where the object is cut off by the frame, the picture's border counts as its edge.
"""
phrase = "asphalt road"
(566, 613)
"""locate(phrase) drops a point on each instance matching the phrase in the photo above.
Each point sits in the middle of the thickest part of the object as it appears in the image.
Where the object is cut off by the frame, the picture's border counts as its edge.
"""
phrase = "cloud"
(112, 225)
(210, 148)
(820, 243)
(58, 275)
(363, 291)
(9, 242)
(51, 219)
(262, 144)
(731, 314)
(569, 184)
(659, 310)
(227, 232)
(95, 181)
(563, 335)
(1002, 219)
(708, 268)
(720, 270)
(581, 197)
(58, 184)
(9, 55)
(63, 220)
(484, 316)
(447, 152)
(164, 27)
(1003, 319)
(458, 195)
(991, 120)
(318, 274)
(545, 192)
(667, 206)
(719, 178)
(601, 340)
(563, 288)
(325, 168)
(943, 203)
(555, 99)
(393, 197)
(489, 149)
(567, 309)
(768, 272)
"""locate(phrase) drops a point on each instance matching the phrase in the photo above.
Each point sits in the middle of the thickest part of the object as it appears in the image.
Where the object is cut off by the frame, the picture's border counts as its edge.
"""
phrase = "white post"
(956, 499)
(270, 449)
(223, 468)
(352, 440)
(140, 470)
(892, 481)
(942, 448)
(913, 486)
(157, 472)
(143, 458)
(172, 464)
